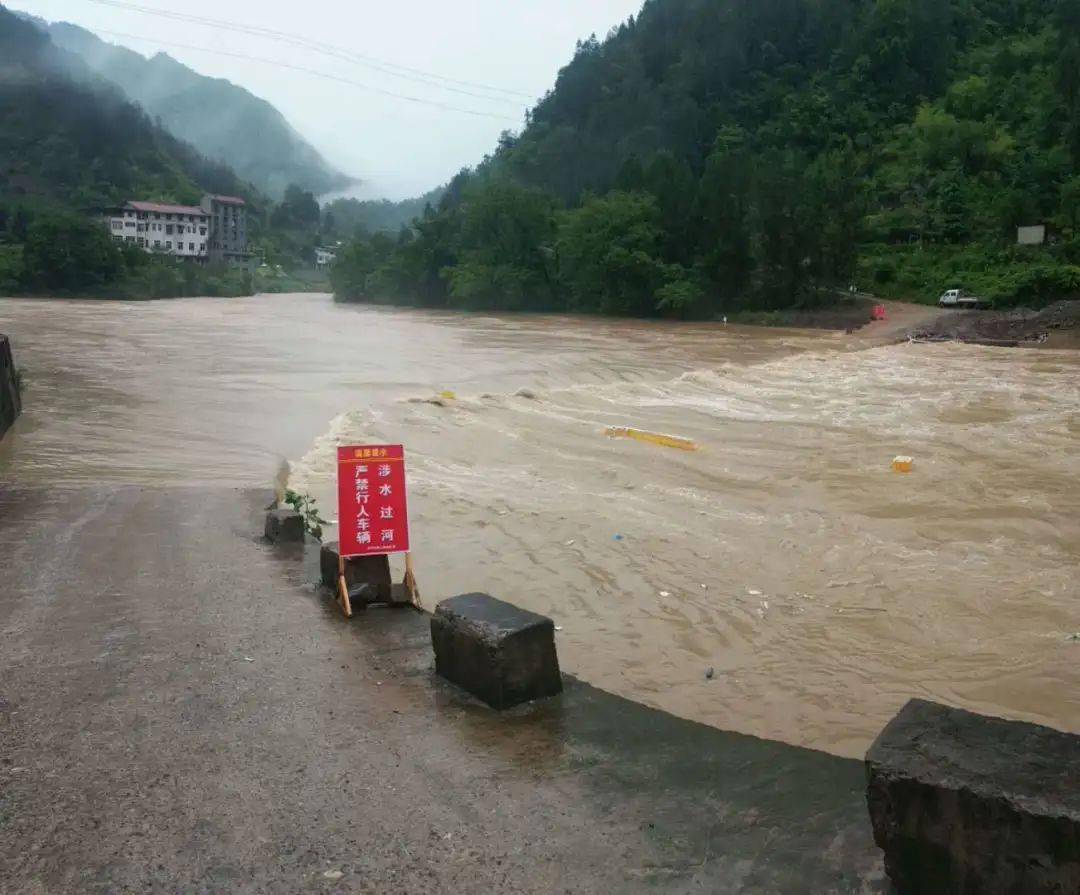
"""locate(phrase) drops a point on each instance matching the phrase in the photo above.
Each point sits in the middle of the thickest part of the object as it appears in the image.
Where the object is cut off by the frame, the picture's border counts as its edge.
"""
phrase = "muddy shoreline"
(1055, 326)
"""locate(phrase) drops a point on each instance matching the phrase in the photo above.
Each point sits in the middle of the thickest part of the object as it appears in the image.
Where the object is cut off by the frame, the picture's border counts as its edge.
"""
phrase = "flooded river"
(821, 588)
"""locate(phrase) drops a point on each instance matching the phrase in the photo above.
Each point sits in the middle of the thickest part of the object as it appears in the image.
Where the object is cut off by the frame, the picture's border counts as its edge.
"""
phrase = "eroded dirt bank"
(1055, 326)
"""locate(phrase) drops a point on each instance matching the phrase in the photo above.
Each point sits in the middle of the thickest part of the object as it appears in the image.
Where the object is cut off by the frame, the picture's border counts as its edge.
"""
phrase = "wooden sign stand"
(343, 588)
(408, 583)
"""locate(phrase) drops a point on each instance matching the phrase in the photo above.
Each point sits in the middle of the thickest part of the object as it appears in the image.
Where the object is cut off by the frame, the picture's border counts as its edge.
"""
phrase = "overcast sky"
(400, 148)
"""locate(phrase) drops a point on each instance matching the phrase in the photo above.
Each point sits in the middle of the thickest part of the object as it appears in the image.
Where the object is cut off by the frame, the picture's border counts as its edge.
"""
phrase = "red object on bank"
(373, 513)
(879, 312)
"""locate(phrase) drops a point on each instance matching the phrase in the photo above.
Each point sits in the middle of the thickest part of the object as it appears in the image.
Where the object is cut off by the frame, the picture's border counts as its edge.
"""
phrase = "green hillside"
(224, 121)
(348, 217)
(70, 147)
(719, 154)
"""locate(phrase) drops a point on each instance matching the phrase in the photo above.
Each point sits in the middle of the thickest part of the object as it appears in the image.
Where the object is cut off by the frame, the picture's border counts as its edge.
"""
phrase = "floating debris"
(903, 464)
(671, 441)
(525, 393)
(709, 673)
(665, 593)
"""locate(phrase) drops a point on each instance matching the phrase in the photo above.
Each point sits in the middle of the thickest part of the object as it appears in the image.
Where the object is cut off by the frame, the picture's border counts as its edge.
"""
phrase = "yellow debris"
(450, 396)
(671, 441)
(903, 464)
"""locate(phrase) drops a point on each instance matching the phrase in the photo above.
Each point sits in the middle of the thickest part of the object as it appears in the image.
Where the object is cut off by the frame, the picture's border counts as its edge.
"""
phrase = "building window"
(157, 243)
(142, 243)
(191, 247)
(168, 245)
(168, 229)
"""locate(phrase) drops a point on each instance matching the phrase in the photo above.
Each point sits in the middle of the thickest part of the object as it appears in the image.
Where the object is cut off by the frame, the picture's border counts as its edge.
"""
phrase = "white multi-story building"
(180, 230)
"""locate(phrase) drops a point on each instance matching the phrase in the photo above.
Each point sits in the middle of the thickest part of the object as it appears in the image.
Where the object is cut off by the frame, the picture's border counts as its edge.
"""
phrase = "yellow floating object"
(902, 464)
(450, 396)
(671, 441)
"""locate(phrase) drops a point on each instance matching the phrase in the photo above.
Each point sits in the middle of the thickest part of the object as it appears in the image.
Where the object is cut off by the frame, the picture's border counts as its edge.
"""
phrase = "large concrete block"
(372, 571)
(10, 399)
(502, 654)
(964, 804)
(284, 525)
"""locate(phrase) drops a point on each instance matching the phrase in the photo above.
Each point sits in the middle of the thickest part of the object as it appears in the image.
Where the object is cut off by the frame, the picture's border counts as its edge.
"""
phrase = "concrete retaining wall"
(10, 401)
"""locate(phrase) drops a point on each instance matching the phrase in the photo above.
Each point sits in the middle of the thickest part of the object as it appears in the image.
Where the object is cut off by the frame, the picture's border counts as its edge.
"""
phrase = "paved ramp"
(181, 710)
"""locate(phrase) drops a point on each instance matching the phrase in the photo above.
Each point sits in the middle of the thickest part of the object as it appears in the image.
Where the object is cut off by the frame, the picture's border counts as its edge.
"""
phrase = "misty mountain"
(71, 139)
(222, 120)
(347, 217)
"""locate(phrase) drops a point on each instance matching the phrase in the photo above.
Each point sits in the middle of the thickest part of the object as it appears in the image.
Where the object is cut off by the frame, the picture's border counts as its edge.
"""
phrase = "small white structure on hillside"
(325, 258)
(1031, 236)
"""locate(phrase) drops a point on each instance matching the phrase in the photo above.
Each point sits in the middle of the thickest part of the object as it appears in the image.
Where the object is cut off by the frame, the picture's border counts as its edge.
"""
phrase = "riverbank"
(1055, 326)
(213, 723)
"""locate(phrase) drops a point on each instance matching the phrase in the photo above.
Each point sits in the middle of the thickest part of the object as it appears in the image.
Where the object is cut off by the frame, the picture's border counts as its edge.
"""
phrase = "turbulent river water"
(822, 589)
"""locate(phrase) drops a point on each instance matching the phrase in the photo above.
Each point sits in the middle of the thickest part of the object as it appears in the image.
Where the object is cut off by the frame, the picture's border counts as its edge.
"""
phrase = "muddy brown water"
(821, 588)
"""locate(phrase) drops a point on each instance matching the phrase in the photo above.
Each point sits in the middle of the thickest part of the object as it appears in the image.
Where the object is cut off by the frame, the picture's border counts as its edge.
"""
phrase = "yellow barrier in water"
(671, 441)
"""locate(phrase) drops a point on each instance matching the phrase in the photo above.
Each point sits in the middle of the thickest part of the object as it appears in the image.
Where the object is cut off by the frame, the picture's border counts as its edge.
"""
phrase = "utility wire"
(309, 71)
(390, 68)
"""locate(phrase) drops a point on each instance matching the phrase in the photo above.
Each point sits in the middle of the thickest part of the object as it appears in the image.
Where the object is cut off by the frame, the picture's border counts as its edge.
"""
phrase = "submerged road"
(182, 710)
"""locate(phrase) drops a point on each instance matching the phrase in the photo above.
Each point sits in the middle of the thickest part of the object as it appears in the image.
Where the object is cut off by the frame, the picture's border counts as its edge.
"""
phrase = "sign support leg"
(343, 589)
(410, 582)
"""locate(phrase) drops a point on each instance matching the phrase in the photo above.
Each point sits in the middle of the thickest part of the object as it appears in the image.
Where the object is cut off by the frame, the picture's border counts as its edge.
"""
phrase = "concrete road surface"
(181, 710)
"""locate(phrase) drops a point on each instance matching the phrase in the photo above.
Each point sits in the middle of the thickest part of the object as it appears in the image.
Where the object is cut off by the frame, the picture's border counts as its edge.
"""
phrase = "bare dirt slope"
(1055, 326)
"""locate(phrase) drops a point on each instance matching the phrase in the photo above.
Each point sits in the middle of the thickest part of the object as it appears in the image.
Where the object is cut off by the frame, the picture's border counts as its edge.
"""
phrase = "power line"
(308, 71)
(390, 68)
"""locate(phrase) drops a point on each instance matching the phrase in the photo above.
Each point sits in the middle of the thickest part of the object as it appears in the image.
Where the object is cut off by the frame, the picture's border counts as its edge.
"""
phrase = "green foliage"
(12, 270)
(608, 252)
(307, 507)
(65, 253)
(714, 156)
(344, 218)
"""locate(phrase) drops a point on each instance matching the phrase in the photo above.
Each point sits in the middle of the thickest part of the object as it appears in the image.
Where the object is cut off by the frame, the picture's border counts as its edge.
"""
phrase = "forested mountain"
(716, 154)
(352, 217)
(224, 121)
(70, 145)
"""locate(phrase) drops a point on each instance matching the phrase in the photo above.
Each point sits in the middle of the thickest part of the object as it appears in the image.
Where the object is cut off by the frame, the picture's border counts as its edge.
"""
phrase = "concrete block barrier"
(368, 577)
(500, 653)
(284, 525)
(962, 803)
(10, 399)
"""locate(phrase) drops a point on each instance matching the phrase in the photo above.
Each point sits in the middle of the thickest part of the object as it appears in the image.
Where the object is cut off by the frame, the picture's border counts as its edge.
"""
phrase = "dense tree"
(713, 154)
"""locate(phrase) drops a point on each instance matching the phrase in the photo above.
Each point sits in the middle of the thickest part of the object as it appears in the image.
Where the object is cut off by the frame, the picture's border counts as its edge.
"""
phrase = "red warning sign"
(373, 512)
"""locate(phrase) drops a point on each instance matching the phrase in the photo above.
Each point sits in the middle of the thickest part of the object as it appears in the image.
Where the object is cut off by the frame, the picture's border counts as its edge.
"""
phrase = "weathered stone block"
(962, 803)
(10, 399)
(496, 651)
(368, 575)
(284, 525)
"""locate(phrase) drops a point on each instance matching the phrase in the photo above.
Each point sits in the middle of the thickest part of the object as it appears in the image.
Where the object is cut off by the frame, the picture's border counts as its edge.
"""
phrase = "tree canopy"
(709, 155)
